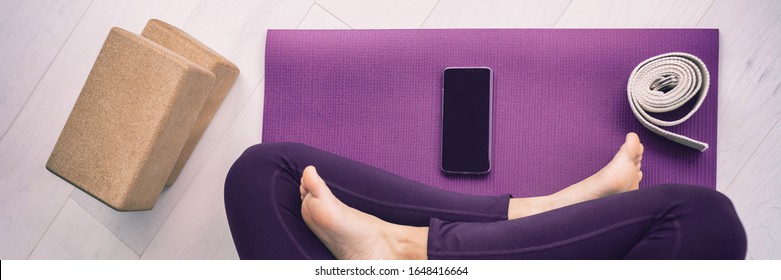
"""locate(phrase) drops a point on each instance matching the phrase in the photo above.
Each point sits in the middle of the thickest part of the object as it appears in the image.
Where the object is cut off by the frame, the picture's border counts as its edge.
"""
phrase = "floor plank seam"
(333, 15)
(429, 15)
(48, 67)
(704, 14)
(192, 13)
(91, 215)
(50, 225)
(751, 157)
(208, 158)
(305, 15)
(556, 24)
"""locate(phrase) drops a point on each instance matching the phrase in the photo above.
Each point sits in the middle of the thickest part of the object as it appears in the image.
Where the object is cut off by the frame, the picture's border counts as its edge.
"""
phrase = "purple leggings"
(659, 222)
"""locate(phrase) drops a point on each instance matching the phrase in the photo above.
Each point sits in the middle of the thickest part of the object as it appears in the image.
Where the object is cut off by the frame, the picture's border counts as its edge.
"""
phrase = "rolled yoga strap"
(664, 83)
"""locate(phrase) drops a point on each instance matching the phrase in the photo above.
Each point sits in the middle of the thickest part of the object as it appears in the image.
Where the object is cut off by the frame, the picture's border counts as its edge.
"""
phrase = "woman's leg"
(263, 200)
(621, 174)
(263, 205)
(659, 222)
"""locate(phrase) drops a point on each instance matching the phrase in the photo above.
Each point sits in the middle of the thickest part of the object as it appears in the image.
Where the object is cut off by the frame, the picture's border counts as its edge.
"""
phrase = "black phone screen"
(466, 120)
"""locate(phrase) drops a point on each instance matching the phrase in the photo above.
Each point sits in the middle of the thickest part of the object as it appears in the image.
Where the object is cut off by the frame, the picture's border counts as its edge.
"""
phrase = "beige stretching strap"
(664, 83)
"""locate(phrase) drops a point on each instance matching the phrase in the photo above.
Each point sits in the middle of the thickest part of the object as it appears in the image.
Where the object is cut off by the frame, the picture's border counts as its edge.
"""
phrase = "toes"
(632, 140)
(632, 137)
(301, 189)
(636, 183)
(632, 147)
(639, 158)
(312, 183)
(639, 176)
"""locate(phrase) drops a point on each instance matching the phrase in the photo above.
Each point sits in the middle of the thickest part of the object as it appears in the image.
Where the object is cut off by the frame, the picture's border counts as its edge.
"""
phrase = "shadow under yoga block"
(134, 114)
(224, 71)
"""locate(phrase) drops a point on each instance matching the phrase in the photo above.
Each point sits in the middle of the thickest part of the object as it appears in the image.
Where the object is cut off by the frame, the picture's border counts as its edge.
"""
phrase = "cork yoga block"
(224, 71)
(141, 105)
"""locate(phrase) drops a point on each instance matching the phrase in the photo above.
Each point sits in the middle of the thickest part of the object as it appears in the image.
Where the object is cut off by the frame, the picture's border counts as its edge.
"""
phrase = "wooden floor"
(48, 47)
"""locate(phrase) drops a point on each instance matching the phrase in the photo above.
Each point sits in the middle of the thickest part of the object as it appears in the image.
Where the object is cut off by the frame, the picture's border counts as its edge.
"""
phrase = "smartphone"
(466, 120)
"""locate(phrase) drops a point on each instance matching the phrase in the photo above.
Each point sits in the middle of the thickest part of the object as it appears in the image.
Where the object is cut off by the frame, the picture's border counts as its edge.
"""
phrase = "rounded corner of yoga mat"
(560, 108)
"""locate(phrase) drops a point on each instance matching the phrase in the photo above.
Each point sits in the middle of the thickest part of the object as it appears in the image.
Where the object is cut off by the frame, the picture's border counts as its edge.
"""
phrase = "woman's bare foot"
(352, 234)
(619, 175)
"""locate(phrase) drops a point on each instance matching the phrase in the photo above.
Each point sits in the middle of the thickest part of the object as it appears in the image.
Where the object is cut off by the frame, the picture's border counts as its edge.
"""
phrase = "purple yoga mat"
(560, 101)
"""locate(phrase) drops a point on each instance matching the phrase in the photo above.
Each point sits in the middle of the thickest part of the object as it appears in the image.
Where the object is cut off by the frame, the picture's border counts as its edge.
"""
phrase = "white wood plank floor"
(48, 48)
